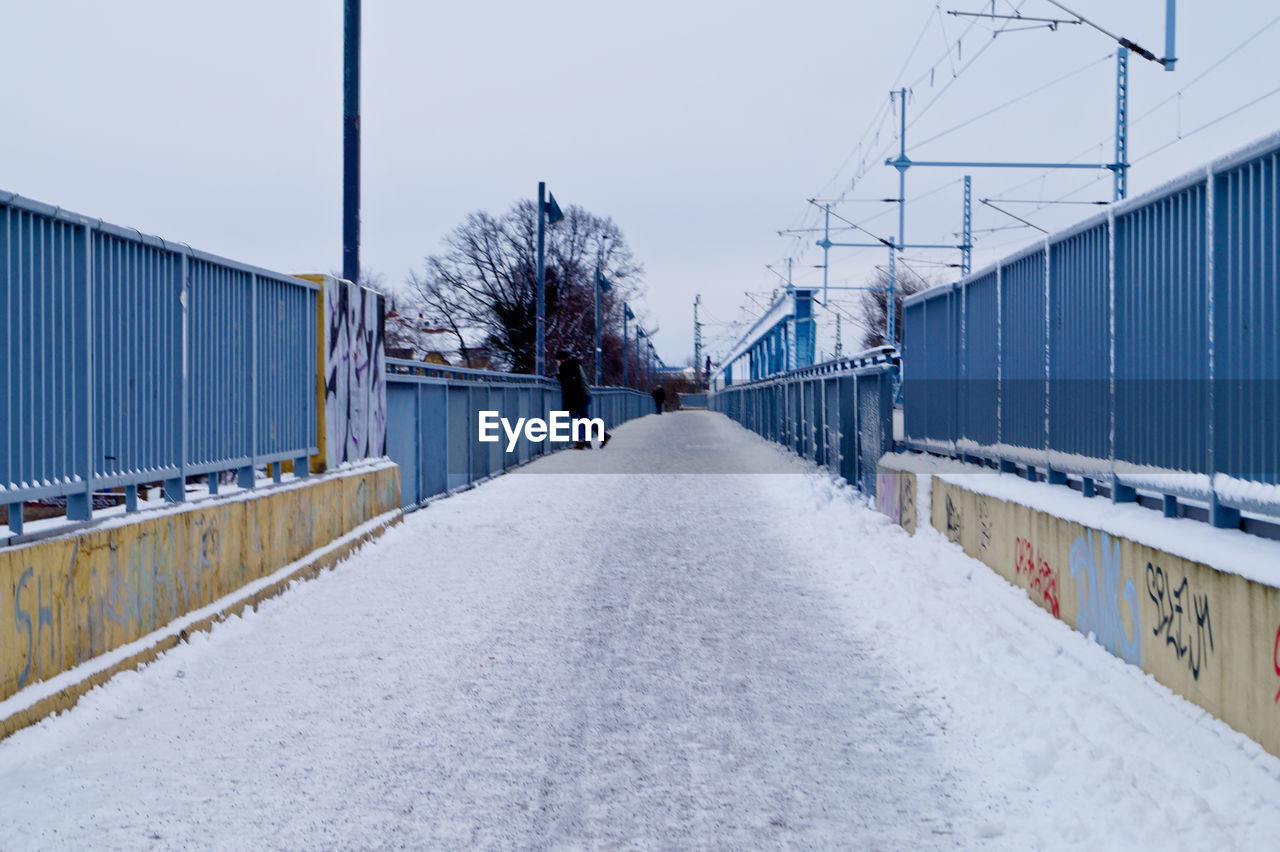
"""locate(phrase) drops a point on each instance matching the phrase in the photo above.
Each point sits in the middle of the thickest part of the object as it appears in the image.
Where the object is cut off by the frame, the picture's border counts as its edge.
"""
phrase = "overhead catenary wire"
(1037, 90)
(987, 202)
(1259, 99)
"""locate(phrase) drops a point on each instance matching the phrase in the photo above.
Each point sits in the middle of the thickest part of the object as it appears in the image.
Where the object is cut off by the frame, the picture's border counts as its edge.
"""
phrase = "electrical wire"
(1231, 53)
(1206, 125)
(1011, 102)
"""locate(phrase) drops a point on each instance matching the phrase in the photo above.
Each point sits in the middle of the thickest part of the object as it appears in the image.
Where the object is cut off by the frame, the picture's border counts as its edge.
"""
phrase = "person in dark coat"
(575, 391)
(659, 397)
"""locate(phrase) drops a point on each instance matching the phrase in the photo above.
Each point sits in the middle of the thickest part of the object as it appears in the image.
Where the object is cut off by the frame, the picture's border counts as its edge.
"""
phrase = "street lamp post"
(639, 364)
(548, 214)
(626, 315)
(602, 285)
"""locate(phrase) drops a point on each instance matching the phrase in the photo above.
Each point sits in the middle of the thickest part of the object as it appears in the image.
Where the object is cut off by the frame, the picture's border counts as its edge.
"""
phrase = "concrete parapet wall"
(76, 609)
(1211, 633)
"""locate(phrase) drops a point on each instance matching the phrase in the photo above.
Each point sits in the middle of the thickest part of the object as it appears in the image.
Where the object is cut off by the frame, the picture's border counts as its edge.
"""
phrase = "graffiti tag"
(954, 521)
(887, 496)
(1098, 586)
(908, 502)
(1042, 579)
(985, 529)
(1275, 657)
(1184, 618)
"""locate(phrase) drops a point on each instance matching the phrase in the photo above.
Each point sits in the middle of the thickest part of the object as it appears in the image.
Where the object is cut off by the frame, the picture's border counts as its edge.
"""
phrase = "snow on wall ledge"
(76, 610)
(1207, 628)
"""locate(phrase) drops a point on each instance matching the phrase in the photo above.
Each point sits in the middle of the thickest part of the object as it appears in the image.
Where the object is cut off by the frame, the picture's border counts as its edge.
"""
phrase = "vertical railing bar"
(1111, 342)
(1218, 515)
(90, 438)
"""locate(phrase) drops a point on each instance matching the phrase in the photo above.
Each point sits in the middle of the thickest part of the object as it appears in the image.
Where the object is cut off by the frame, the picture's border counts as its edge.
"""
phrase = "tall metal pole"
(697, 344)
(1170, 15)
(901, 239)
(1122, 123)
(598, 381)
(902, 169)
(639, 334)
(891, 306)
(625, 368)
(966, 231)
(540, 343)
(826, 251)
(351, 143)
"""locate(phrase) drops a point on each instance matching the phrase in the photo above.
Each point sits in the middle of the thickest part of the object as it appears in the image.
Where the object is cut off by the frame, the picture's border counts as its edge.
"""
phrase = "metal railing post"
(246, 474)
(80, 504)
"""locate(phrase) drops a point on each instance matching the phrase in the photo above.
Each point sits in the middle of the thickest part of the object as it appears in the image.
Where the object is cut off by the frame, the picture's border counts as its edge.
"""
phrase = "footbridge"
(961, 594)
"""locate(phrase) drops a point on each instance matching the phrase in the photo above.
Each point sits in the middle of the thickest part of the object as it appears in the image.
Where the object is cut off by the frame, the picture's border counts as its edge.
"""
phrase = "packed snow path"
(687, 640)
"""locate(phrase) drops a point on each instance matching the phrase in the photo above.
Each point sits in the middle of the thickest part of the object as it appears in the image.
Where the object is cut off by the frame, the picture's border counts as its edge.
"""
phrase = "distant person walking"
(575, 391)
(659, 397)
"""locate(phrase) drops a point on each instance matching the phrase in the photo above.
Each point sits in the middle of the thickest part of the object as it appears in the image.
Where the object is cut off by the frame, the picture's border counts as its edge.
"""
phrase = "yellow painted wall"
(319, 462)
(1211, 636)
(896, 497)
(67, 600)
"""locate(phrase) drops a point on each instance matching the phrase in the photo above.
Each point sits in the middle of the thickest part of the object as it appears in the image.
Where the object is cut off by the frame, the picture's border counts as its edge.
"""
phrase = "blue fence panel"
(1080, 344)
(875, 419)
(838, 414)
(1154, 332)
(1246, 331)
(433, 427)
(137, 357)
(915, 396)
(1161, 324)
(221, 371)
(42, 268)
(942, 368)
(1022, 352)
(127, 360)
(286, 327)
(979, 405)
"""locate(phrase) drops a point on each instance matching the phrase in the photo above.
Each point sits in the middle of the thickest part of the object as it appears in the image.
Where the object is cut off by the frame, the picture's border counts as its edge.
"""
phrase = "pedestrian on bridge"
(575, 391)
(659, 397)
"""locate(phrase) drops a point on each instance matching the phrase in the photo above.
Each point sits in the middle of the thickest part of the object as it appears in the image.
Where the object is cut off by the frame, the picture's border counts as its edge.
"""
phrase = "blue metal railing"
(433, 422)
(838, 414)
(127, 359)
(1136, 350)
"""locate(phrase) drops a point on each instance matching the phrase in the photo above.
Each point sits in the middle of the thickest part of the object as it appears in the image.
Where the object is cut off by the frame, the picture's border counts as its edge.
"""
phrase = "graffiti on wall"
(355, 374)
(37, 620)
(985, 529)
(1183, 618)
(907, 502)
(954, 522)
(1041, 577)
(1097, 575)
(1275, 658)
(887, 502)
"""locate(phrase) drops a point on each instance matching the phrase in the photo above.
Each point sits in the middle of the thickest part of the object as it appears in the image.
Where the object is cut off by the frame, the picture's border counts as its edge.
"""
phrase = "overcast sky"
(701, 126)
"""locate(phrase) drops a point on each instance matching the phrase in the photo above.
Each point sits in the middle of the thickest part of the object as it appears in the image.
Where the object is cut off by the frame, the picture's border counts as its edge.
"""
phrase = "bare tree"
(402, 332)
(874, 302)
(483, 287)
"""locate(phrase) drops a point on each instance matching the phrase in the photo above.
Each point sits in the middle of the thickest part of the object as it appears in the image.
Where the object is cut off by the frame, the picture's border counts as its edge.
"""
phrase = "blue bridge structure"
(1091, 420)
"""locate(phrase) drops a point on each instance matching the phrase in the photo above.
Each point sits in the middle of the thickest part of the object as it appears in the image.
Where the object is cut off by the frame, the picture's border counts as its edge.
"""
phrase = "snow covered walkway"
(642, 648)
